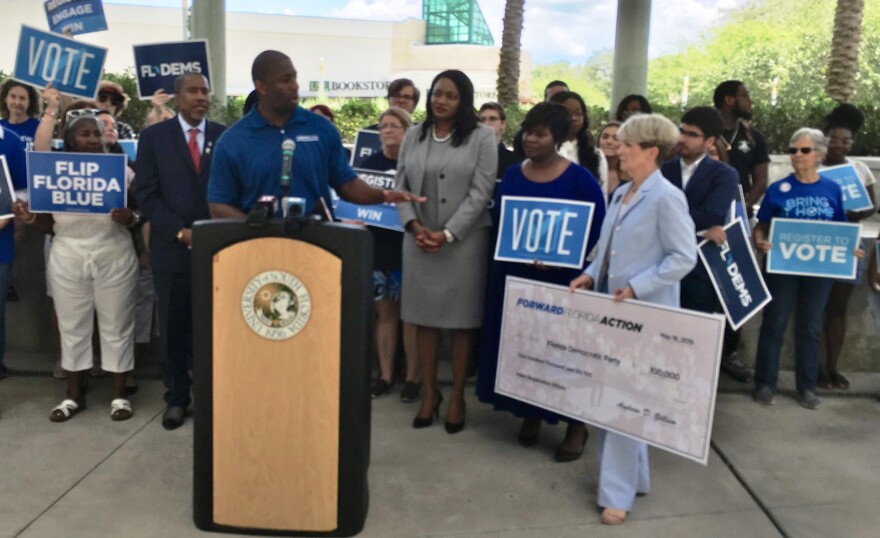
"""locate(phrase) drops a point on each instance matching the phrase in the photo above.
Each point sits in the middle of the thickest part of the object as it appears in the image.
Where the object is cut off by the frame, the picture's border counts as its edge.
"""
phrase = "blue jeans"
(5, 275)
(809, 294)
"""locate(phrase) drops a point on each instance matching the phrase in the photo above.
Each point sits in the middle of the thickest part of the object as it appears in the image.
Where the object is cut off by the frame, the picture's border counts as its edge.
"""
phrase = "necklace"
(729, 145)
(441, 140)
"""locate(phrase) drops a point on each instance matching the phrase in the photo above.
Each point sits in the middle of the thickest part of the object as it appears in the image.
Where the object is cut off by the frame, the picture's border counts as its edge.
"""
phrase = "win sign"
(548, 230)
(159, 64)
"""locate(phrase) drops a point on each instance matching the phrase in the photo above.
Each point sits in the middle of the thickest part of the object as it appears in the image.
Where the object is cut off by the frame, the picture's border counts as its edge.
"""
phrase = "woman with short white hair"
(804, 194)
(646, 247)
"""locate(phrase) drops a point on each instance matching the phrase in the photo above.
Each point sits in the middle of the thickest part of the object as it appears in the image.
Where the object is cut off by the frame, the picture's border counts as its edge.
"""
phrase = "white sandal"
(120, 409)
(65, 410)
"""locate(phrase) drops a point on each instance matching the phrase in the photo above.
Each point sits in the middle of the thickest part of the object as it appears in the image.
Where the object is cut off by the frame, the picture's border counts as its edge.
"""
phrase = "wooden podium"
(282, 334)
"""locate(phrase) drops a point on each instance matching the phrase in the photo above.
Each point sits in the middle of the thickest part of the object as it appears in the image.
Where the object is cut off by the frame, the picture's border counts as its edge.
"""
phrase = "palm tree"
(843, 65)
(508, 67)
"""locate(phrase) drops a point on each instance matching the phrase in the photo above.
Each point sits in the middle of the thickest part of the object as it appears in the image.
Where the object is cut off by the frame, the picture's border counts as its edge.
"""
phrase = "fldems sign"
(158, 65)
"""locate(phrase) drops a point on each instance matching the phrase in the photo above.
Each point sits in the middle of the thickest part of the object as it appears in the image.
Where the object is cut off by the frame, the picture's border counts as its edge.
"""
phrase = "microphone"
(265, 208)
(288, 146)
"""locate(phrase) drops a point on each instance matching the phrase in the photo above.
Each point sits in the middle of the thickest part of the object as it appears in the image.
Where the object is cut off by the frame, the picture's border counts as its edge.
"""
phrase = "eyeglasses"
(835, 140)
(690, 134)
(81, 113)
(805, 151)
(112, 97)
(403, 97)
(390, 126)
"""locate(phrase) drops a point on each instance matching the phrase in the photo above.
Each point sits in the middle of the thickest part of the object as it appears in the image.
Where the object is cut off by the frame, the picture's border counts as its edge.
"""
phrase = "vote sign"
(7, 191)
(855, 195)
(813, 248)
(379, 215)
(548, 230)
(76, 16)
(158, 65)
(735, 274)
(73, 67)
(75, 182)
(366, 143)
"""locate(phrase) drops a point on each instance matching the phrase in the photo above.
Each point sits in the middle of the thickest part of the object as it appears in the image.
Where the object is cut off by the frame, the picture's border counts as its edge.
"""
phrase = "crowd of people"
(658, 188)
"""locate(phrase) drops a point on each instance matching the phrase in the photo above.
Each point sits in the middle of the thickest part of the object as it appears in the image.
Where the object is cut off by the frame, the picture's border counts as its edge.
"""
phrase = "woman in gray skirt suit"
(450, 159)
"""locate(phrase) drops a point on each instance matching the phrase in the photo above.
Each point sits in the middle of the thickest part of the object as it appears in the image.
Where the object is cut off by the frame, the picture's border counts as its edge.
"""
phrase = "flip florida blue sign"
(855, 195)
(379, 215)
(76, 16)
(735, 274)
(75, 182)
(71, 66)
(813, 248)
(158, 65)
(548, 230)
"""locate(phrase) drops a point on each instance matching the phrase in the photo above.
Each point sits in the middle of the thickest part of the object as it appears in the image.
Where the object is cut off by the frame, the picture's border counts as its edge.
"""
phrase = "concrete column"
(208, 21)
(630, 50)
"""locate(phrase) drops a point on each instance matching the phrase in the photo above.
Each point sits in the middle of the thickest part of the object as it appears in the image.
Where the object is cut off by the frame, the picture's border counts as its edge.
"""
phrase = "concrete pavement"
(774, 471)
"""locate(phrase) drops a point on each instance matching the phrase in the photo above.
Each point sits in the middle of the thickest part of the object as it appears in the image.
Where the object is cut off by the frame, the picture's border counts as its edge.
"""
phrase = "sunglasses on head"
(805, 151)
(112, 97)
(81, 112)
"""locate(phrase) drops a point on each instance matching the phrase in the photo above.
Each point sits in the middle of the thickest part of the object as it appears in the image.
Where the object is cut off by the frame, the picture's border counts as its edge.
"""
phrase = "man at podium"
(255, 157)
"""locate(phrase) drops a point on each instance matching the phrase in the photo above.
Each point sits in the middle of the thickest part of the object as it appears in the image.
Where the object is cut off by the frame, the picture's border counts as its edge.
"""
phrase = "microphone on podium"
(288, 146)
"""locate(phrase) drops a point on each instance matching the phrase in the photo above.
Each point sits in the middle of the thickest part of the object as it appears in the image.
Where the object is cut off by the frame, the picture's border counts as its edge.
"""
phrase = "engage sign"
(158, 65)
(75, 16)
(71, 66)
(75, 182)
(813, 248)
(552, 231)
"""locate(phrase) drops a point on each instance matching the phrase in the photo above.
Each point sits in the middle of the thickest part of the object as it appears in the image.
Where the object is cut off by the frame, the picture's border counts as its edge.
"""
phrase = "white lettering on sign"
(821, 253)
(173, 68)
(75, 11)
(540, 222)
(53, 58)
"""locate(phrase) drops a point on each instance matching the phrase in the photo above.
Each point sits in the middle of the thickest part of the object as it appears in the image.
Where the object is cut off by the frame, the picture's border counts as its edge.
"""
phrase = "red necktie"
(194, 151)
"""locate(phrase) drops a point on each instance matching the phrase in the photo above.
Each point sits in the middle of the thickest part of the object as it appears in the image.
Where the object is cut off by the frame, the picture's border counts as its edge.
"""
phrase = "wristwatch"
(449, 237)
(180, 236)
(135, 219)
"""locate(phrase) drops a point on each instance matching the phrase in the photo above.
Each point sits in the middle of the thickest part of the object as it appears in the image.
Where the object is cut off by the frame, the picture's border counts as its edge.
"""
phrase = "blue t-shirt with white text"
(789, 198)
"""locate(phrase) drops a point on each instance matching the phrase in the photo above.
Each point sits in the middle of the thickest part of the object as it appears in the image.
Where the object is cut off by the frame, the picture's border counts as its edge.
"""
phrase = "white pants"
(623, 470)
(82, 284)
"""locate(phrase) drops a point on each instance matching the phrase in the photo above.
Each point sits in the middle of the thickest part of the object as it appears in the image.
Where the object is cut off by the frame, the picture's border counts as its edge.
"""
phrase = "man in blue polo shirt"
(12, 148)
(248, 157)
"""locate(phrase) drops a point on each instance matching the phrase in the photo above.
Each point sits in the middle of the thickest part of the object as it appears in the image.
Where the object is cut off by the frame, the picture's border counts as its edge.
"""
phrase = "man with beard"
(747, 152)
(709, 186)
(247, 159)
(746, 147)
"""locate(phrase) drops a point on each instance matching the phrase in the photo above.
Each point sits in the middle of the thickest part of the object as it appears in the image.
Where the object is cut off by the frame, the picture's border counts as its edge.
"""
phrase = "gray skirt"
(445, 289)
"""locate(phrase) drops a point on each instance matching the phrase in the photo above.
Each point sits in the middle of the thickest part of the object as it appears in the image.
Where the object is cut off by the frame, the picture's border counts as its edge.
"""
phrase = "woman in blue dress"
(544, 174)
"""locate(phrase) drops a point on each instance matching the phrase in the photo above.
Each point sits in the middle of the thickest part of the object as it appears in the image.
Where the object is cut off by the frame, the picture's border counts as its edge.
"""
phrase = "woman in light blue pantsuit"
(646, 247)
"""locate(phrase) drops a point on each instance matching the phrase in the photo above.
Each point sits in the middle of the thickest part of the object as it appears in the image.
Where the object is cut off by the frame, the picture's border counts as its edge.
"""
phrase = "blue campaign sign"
(158, 65)
(366, 143)
(130, 148)
(855, 195)
(548, 230)
(7, 191)
(75, 16)
(75, 182)
(738, 211)
(813, 248)
(735, 274)
(379, 215)
(71, 66)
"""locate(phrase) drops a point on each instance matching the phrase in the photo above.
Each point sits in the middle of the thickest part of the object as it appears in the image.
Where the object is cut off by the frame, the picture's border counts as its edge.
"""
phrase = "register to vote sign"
(813, 248)
(75, 182)
(548, 230)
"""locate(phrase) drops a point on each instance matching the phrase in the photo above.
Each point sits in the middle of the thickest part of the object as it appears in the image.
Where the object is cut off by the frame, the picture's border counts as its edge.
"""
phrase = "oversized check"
(646, 371)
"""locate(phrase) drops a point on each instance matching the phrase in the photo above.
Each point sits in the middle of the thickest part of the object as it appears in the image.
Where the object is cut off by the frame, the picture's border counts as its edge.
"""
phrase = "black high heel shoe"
(419, 422)
(455, 427)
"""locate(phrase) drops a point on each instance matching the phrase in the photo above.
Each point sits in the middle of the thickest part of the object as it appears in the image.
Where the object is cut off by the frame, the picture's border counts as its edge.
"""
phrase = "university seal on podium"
(276, 305)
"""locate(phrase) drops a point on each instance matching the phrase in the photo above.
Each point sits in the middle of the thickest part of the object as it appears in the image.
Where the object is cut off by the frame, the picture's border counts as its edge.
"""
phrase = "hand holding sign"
(583, 282)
